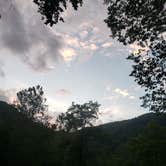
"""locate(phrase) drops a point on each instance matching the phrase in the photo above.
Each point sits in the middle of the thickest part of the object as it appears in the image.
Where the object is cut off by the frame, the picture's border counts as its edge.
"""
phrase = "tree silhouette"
(149, 70)
(136, 20)
(32, 103)
(51, 10)
(78, 116)
(129, 20)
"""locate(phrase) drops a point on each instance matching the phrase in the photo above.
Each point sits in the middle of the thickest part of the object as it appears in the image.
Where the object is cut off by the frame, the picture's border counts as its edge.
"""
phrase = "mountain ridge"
(24, 142)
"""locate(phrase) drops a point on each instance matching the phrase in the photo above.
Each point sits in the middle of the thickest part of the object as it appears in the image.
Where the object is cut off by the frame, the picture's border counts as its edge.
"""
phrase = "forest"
(140, 141)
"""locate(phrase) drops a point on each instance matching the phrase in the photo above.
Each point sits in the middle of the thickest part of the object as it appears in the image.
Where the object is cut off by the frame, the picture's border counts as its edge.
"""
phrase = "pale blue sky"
(73, 61)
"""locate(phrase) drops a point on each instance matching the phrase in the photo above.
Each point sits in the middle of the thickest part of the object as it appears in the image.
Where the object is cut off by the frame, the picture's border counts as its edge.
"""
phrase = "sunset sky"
(73, 61)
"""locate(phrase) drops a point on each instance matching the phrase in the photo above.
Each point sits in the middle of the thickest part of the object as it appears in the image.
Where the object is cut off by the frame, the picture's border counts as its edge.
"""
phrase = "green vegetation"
(32, 101)
(132, 142)
(78, 117)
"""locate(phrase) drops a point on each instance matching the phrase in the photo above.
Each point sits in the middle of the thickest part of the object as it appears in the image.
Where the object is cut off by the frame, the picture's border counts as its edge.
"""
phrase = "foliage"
(24, 142)
(136, 20)
(143, 22)
(129, 20)
(149, 70)
(33, 103)
(51, 10)
(132, 21)
(148, 148)
(78, 116)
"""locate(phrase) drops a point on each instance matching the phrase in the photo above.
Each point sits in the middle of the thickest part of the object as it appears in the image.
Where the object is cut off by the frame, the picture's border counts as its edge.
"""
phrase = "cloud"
(121, 92)
(132, 97)
(83, 34)
(56, 106)
(24, 35)
(8, 95)
(134, 48)
(2, 73)
(108, 88)
(124, 93)
(63, 92)
(117, 93)
(93, 47)
(92, 36)
(91, 31)
(71, 41)
(114, 113)
(117, 112)
(3, 96)
(68, 54)
(107, 44)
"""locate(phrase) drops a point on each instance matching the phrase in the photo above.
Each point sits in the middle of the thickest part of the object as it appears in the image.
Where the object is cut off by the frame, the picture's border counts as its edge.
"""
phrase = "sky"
(73, 61)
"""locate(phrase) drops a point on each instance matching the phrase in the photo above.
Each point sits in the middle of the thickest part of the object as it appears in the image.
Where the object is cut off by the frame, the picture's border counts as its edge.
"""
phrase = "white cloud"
(63, 92)
(71, 41)
(121, 92)
(68, 54)
(134, 48)
(8, 95)
(24, 35)
(57, 106)
(83, 34)
(93, 47)
(91, 31)
(95, 30)
(108, 88)
(2, 72)
(131, 97)
(117, 112)
(124, 93)
(112, 113)
(116, 94)
(107, 44)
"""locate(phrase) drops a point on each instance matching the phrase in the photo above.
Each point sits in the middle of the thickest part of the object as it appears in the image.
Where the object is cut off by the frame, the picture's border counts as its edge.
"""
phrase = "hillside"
(126, 129)
(24, 142)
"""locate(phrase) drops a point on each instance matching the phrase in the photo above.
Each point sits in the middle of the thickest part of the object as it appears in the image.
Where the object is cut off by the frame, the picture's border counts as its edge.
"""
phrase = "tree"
(33, 103)
(129, 20)
(51, 10)
(78, 116)
(148, 147)
(149, 70)
(136, 20)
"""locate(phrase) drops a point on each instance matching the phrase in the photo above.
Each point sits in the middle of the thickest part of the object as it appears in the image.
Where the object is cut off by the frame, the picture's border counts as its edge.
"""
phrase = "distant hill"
(23, 142)
(133, 127)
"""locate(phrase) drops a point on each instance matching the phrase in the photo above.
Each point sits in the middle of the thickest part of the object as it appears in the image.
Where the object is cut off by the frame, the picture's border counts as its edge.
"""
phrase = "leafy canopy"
(78, 116)
(128, 20)
(32, 102)
(136, 20)
(149, 70)
(51, 10)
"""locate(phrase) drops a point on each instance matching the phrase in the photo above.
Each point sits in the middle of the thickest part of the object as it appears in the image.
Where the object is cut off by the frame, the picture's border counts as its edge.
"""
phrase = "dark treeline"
(140, 142)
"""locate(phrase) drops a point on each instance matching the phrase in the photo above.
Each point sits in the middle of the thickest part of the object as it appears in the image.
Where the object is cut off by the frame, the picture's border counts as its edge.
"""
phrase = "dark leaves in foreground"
(136, 20)
(51, 10)
(149, 70)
